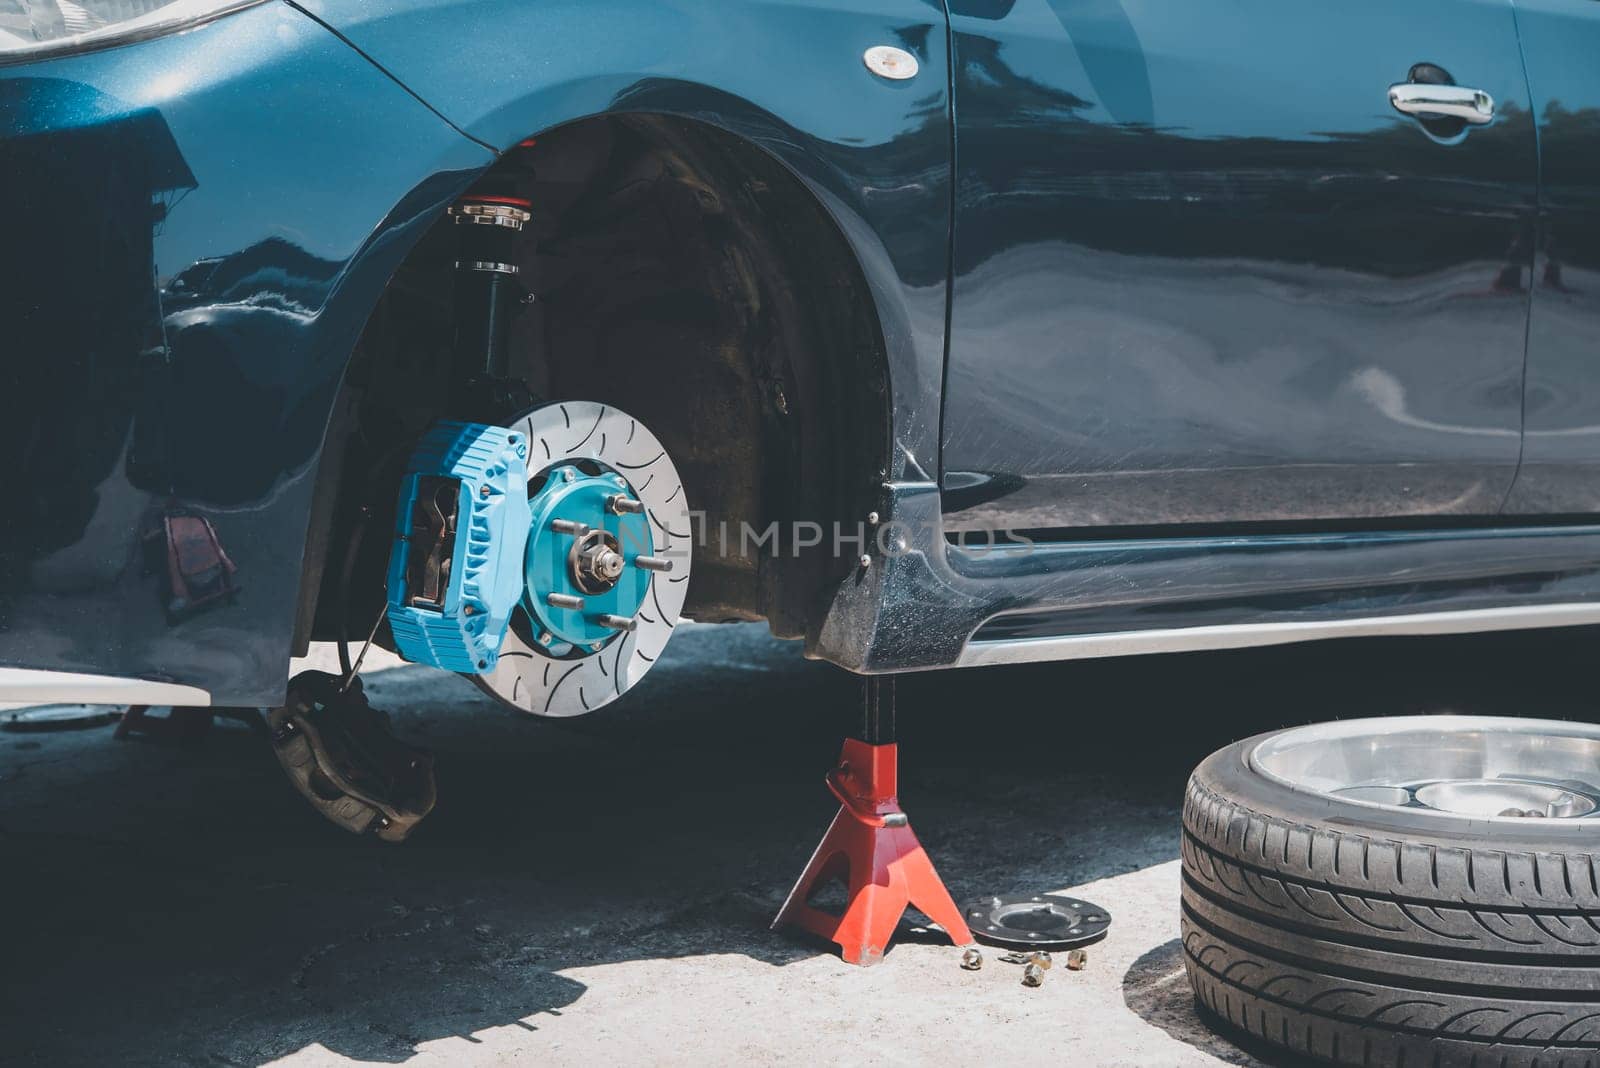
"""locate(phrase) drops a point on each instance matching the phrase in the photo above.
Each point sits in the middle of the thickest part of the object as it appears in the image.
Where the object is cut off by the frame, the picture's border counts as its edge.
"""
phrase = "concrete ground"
(600, 890)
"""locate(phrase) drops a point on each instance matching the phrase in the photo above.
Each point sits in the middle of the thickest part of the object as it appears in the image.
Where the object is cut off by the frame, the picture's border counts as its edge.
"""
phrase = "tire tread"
(1360, 948)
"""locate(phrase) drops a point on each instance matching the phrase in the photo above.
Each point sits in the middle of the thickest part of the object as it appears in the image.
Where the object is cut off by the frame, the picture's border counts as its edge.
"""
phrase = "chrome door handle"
(1472, 106)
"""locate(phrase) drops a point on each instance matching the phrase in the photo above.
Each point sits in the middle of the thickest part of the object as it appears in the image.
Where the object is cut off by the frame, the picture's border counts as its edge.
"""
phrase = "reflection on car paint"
(198, 267)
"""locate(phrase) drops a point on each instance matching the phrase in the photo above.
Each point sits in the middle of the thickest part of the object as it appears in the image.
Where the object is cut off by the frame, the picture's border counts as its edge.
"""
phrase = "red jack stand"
(870, 845)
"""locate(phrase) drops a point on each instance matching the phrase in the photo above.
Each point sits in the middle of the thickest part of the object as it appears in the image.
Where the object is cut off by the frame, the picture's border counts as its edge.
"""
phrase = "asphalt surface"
(601, 889)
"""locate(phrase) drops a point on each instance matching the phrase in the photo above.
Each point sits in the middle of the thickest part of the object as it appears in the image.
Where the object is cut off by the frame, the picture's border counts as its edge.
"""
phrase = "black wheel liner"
(1364, 935)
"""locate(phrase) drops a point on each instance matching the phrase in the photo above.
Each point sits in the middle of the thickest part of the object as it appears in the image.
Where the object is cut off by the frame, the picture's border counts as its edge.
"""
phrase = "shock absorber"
(489, 294)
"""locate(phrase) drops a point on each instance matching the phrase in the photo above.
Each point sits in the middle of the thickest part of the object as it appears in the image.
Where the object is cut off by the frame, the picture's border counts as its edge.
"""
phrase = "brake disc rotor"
(1038, 921)
(554, 662)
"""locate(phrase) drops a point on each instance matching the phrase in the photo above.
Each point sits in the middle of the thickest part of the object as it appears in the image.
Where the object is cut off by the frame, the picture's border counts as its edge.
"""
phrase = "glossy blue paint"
(1205, 273)
(1202, 274)
(197, 228)
(786, 75)
(1561, 452)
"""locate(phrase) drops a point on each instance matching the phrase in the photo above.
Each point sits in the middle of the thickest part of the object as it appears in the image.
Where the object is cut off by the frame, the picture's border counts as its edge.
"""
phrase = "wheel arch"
(814, 412)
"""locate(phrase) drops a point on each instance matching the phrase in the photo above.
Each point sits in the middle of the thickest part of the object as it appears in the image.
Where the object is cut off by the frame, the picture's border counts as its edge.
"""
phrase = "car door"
(1561, 461)
(1205, 272)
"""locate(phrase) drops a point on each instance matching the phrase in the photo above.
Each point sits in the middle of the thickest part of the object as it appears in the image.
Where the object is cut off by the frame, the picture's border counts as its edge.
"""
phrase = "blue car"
(506, 334)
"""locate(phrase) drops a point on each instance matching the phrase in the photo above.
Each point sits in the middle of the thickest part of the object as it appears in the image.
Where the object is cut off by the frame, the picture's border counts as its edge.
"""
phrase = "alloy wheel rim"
(1495, 769)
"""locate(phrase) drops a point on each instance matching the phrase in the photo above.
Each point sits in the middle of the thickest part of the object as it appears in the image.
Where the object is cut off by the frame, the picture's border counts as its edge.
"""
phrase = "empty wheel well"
(684, 276)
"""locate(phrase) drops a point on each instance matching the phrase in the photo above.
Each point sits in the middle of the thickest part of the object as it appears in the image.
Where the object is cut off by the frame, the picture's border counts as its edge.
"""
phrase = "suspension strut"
(489, 294)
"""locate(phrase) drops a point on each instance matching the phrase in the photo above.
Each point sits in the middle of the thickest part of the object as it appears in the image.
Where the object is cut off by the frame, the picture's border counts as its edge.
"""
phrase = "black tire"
(1372, 936)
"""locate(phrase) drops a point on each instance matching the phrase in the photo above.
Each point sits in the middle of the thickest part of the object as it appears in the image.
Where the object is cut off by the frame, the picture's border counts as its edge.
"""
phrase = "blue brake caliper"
(456, 570)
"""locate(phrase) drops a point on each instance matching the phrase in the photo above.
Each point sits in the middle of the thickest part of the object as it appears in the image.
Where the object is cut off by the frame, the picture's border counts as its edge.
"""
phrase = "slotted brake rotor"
(607, 562)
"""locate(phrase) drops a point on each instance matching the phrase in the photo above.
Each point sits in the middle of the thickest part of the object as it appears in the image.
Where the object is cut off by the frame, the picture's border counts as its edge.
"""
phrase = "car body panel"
(196, 240)
(1561, 451)
(190, 362)
(1206, 275)
(785, 75)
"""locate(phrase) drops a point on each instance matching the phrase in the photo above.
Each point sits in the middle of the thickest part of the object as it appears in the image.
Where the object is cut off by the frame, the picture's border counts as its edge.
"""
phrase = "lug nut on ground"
(1033, 975)
(1077, 959)
(972, 958)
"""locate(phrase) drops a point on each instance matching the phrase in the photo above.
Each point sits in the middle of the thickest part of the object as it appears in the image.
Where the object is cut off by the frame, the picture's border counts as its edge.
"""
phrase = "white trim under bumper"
(1246, 635)
(28, 686)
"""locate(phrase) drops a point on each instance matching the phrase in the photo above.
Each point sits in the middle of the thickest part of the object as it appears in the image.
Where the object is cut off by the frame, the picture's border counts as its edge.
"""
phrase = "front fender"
(197, 228)
(786, 75)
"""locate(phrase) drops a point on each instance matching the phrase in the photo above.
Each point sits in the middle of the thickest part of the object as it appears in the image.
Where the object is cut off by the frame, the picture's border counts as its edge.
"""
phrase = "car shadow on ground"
(179, 904)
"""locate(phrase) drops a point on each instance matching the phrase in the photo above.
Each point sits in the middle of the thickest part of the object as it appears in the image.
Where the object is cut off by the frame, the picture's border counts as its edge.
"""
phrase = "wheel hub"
(596, 561)
(580, 588)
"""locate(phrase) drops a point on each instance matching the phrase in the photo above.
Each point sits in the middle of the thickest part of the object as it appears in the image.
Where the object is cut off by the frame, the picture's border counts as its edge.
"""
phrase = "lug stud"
(653, 563)
(569, 526)
(621, 504)
(564, 600)
(624, 623)
(545, 638)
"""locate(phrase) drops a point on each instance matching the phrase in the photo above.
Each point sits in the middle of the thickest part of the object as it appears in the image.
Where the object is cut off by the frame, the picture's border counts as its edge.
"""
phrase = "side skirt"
(980, 652)
(932, 604)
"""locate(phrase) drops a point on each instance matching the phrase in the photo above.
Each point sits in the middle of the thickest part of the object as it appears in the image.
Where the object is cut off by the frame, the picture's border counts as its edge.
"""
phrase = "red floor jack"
(871, 848)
